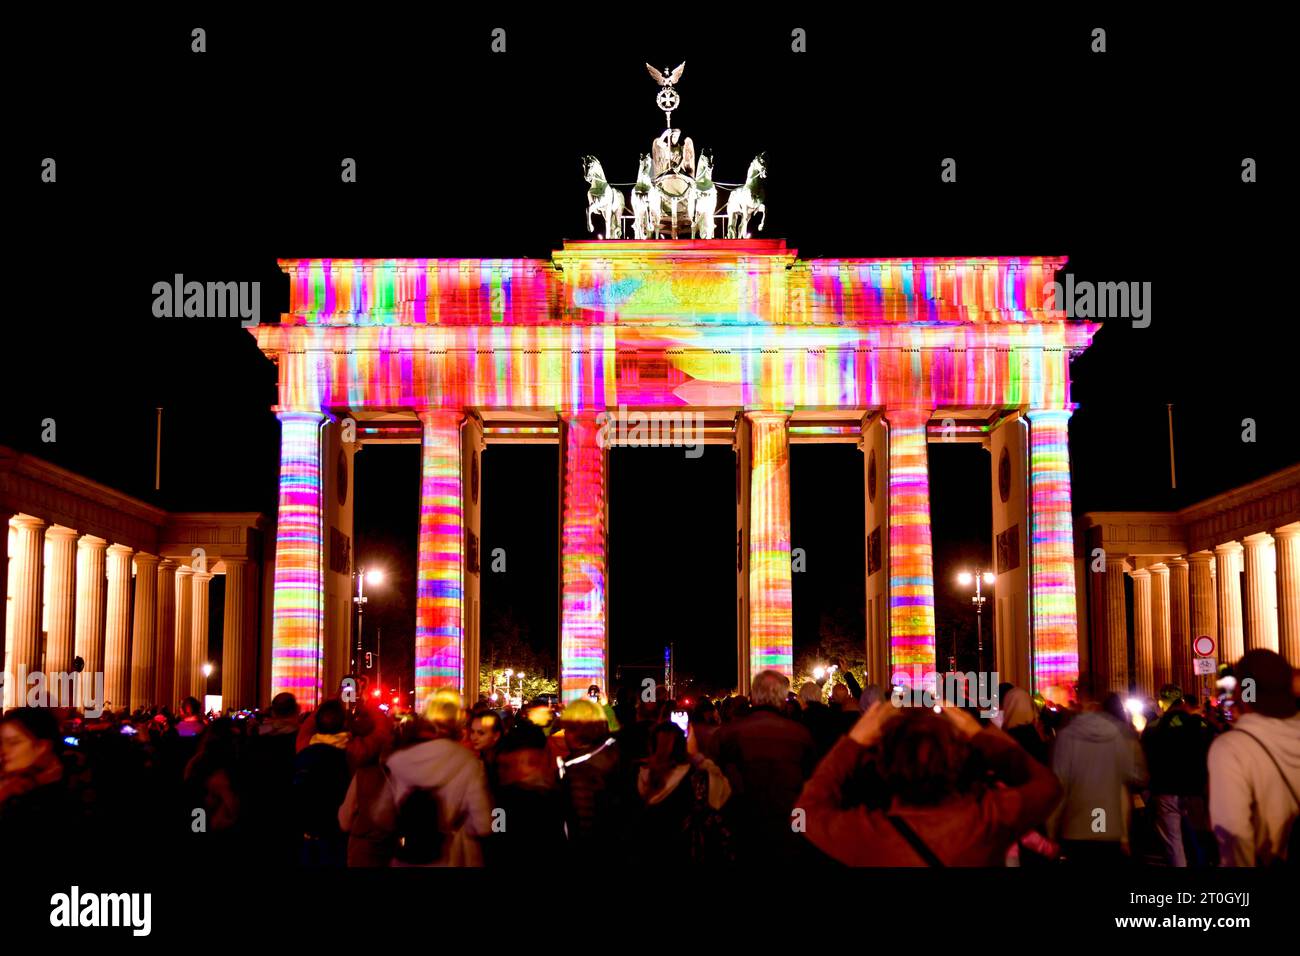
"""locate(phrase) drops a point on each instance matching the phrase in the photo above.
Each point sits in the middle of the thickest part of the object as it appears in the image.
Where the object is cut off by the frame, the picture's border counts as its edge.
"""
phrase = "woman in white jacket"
(439, 763)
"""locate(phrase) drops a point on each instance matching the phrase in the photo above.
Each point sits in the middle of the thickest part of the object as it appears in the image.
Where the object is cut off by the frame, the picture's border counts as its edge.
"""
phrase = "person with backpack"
(1255, 767)
(440, 791)
(320, 782)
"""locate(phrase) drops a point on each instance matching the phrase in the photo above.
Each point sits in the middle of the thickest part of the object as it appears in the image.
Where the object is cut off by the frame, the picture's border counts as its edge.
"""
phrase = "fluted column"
(1286, 546)
(144, 633)
(1204, 604)
(237, 656)
(61, 602)
(1051, 544)
(1180, 624)
(911, 548)
(117, 628)
(1112, 660)
(584, 608)
(182, 662)
(298, 616)
(23, 655)
(1227, 582)
(164, 687)
(1143, 660)
(1261, 593)
(199, 635)
(91, 582)
(771, 625)
(1161, 654)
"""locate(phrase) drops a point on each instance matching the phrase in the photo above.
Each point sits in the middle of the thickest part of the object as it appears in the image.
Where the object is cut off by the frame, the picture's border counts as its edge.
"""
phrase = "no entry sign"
(1203, 646)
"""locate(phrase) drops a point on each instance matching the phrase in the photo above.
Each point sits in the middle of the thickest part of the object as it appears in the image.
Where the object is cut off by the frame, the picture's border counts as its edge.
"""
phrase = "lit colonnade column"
(198, 683)
(182, 661)
(92, 581)
(1201, 597)
(1286, 544)
(1161, 653)
(1143, 665)
(298, 585)
(238, 652)
(61, 601)
(1112, 659)
(439, 596)
(1051, 548)
(911, 553)
(1227, 559)
(771, 623)
(117, 628)
(1261, 593)
(164, 675)
(584, 624)
(1180, 626)
(144, 632)
(23, 622)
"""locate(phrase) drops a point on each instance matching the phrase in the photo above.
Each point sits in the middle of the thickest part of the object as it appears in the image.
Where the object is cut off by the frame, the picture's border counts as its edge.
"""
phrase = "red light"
(376, 694)
(394, 700)
(687, 702)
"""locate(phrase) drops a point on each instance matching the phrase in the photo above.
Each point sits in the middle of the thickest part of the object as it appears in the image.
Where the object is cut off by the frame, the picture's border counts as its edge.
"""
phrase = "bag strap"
(913, 840)
(1280, 771)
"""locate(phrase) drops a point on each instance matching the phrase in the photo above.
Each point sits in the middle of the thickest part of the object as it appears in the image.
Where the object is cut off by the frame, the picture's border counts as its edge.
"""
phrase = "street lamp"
(372, 577)
(965, 579)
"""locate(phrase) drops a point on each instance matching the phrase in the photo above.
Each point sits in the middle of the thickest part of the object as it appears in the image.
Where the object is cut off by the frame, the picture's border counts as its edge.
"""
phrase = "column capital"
(168, 564)
(1158, 568)
(1287, 532)
(446, 415)
(1179, 562)
(180, 568)
(298, 414)
(91, 541)
(1228, 547)
(144, 560)
(1258, 540)
(27, 522)
(59, 532)
(201, 577)
(1201, 557)
(1142, 573)
(907, 415)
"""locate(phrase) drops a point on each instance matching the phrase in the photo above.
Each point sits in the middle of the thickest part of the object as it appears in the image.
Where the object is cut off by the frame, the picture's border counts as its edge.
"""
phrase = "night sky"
(214, 165)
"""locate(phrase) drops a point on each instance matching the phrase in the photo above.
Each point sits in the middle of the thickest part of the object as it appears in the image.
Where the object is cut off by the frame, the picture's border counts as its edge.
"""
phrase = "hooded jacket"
(1251, 809)
(456, 775)
(1097, 759)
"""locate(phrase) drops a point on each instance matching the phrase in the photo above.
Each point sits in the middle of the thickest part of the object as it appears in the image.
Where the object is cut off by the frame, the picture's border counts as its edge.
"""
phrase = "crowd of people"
(776, 775)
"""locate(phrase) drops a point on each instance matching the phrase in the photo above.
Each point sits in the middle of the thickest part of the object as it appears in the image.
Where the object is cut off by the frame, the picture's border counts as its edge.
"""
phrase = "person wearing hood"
(1254, 768)
(1020, 723)
(1097, 758)
(447, 779)
(320, 782)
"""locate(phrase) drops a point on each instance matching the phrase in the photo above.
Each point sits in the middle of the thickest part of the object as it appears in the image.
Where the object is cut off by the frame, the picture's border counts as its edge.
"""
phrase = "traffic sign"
(1204, 665)
(1203, 646)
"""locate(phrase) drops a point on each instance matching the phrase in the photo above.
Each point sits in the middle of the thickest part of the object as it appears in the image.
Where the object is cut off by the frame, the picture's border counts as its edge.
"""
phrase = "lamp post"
(373, 577)
(965, 578)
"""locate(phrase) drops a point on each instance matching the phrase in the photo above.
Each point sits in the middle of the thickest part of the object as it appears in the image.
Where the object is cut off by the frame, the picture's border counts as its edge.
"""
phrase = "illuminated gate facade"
(770, 349)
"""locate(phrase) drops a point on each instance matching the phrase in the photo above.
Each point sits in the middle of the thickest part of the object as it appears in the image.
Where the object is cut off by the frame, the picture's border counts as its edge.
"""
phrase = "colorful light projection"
(582, 559)
(771, 623)
(1051, 546)
(911, 559)
(439, 593)
(299, 581)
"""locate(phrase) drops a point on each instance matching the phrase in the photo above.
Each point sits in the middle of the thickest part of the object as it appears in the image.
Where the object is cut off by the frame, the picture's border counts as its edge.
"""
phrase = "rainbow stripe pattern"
(1051, 547)
(582, 560)
(771, 626)
(299, 582)
(911, 558)
(439, 592)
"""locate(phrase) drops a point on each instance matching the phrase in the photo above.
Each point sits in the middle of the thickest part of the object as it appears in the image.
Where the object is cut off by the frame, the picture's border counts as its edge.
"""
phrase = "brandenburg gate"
(770, 349)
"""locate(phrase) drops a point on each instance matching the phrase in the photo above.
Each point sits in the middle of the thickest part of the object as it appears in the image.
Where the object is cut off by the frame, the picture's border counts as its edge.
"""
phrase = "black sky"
(213, 165)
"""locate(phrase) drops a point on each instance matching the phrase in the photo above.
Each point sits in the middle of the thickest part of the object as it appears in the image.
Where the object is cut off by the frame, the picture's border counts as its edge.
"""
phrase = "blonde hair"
(583, 711)
(443, 711)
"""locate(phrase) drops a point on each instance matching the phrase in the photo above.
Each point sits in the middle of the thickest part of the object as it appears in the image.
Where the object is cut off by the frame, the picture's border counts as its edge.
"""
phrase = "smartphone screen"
(682, 720)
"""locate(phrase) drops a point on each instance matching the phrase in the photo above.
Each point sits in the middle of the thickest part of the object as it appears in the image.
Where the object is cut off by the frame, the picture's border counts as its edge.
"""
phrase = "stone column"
(298, 613)
(1161, 656)
(26, 572)
(1051, 537)
(911, 552)
(144, 639)
(1143, 662)
(584, 624)
(1204, 608)
(199, 635)
(771, 625)
(1180, 624)
(1286, 544)
(182, 663)
(238, 661)
(165, 686)
(439, 589)
(1227, 559)
(1112, 665)
(117, 630)
(1261, 593)
(91, 583)
(61, 602)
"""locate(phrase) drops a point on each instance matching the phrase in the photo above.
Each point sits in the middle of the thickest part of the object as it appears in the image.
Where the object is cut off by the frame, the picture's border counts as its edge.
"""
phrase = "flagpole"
(157, 458)
(1173, 480)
